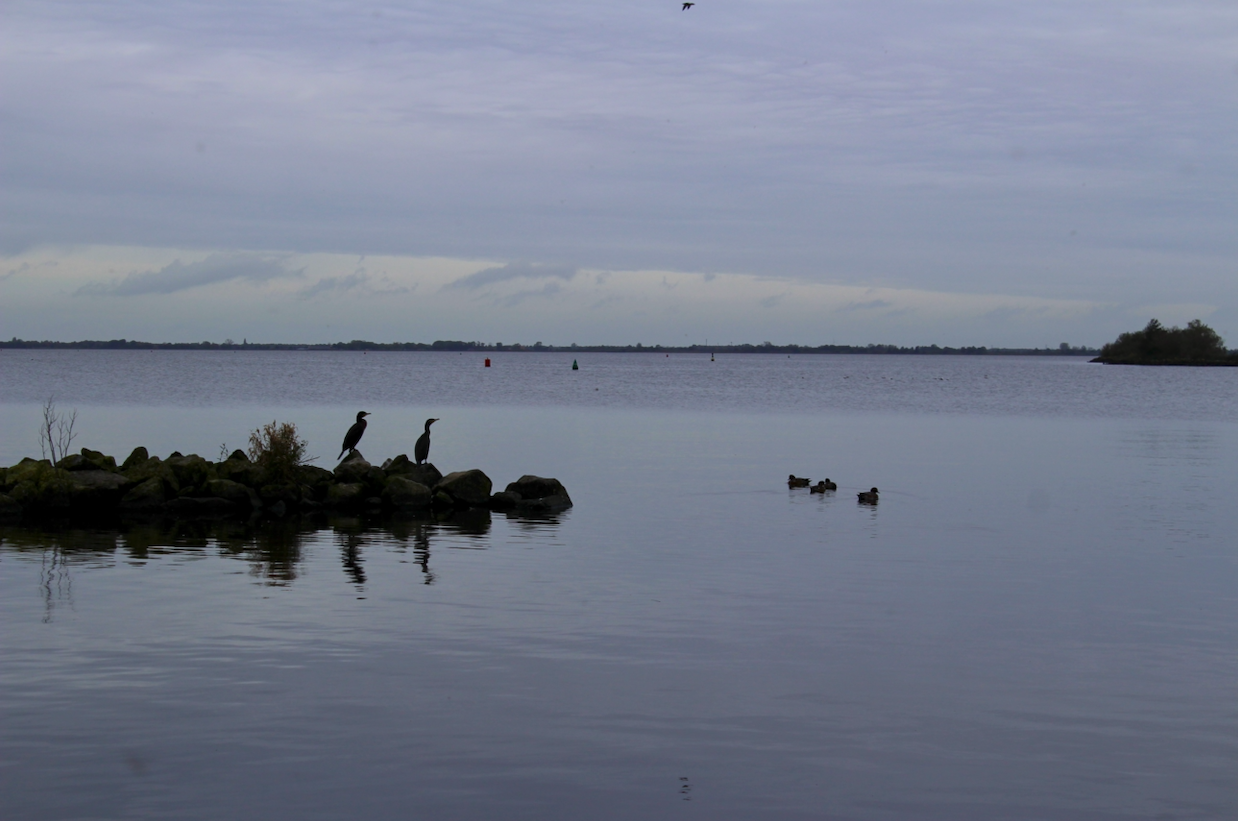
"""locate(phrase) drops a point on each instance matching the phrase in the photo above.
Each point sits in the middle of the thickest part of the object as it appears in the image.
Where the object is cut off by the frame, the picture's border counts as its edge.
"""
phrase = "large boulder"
(147, 497)
(137, 457)
(191, 470)
(237, 468)
(405, 494)
(465, 488)
(95, 490)
(426, 474)
(532, 494)
(235, 492)
(153, 468)
(88, 460)
(346, 495)
(356, 470)
(316, 479)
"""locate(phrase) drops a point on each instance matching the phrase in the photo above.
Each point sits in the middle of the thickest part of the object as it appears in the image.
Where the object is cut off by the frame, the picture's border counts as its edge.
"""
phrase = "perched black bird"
(354, 433)
(421, 450)
(687, 6)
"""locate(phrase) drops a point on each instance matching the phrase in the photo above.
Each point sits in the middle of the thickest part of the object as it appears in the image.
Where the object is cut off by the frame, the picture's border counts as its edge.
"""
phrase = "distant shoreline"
(481, 347)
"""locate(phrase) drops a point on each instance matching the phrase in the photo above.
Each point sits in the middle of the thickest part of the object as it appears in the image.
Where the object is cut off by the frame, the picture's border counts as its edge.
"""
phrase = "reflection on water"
(274, 549)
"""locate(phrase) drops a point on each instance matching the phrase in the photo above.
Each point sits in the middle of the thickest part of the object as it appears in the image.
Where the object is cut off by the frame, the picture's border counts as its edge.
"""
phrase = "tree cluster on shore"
(1196, 344)
(453, 345)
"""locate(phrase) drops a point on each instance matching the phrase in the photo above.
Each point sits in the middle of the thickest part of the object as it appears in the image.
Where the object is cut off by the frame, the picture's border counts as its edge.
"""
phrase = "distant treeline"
(457, 345)
(1196, 344)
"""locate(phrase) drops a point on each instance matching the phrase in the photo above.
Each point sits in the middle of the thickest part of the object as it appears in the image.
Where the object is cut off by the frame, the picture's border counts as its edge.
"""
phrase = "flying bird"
(421, 450)
(687, 6)
(354, 433)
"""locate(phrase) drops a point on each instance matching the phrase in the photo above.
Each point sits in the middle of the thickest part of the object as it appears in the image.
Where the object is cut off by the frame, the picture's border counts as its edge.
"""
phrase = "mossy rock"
(238, 468)
(29, 470)
(355, 469)
(148, 496)
(466, 488)
(405, 494)
(88, 460)
(191, 470)
(154, 468)
(234, 492)
(139, 456)
(346, 495)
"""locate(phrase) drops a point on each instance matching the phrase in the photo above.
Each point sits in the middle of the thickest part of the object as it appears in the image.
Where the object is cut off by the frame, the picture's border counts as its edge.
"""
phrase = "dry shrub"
(278, 450)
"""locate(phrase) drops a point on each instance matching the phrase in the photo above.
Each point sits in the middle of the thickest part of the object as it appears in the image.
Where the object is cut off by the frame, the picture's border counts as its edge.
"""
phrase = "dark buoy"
(575, 367)
(487, 363)
(711, 357)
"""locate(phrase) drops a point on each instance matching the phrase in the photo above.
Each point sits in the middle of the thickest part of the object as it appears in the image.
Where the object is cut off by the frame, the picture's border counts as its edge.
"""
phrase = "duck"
(828, 484)
(823, 486)
(867, 497)
(793, 481)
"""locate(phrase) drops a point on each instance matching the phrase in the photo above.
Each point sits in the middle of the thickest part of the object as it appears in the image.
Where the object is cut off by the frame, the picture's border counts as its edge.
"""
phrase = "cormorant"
(354, 433)
(421, 450)
(687, 6)
(867, 497)
(792, 481)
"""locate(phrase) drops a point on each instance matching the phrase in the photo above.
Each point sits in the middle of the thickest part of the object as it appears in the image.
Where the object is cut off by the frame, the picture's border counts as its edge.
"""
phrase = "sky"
(795, 171)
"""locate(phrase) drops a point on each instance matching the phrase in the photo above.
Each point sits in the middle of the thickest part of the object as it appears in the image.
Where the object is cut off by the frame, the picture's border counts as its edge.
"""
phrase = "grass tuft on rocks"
(278, 450)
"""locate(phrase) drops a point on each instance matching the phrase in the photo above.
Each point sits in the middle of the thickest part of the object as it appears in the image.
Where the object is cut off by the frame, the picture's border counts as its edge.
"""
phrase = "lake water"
(1039, 620)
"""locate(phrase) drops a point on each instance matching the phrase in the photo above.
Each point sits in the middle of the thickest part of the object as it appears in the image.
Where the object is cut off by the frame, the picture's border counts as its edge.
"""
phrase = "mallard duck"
(793, 481)
(867, 497)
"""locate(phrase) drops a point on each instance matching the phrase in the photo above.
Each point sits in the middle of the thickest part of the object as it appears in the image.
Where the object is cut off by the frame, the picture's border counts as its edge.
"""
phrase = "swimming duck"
(819, 487)
(868, 497)
(828, 484)
(793, 481)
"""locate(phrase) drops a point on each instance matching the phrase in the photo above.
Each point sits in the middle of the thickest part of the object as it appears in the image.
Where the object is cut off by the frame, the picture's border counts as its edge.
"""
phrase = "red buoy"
(487, 363)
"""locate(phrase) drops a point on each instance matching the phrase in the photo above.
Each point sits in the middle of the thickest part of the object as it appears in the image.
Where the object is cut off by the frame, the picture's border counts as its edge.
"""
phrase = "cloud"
(178, 276)
(513, 270)
(359, 283)
(548, 290)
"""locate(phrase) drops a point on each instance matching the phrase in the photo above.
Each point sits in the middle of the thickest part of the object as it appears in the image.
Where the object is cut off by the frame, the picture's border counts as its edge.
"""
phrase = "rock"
(290, 495)
(346, 495)
(9, 508)
(534, 494)
(151, 469)
(317, 478)
(536, 487)
(405, 494)
(191, 470)
(95, 490)
(237, 468)
(101, 461)
(234, 492)
(504, 500)
(355, 469)
(75, 462)
(466, 487)
(137, 457)
(426, 474)
(146, 497)
(278, 510)
(29, 470)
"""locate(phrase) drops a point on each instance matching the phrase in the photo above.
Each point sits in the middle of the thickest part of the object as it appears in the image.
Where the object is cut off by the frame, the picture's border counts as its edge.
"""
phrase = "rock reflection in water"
(273, 548)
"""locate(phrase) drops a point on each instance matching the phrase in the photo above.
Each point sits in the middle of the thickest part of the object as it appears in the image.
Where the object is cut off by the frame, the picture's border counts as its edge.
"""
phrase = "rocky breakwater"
(92, 485)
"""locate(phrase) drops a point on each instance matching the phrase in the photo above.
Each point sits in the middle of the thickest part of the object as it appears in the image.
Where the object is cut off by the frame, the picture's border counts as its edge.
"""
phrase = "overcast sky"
(822, 171)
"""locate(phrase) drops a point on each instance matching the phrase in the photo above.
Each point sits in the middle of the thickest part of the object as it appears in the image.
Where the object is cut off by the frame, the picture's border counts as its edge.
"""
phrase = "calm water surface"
(1037, 621)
